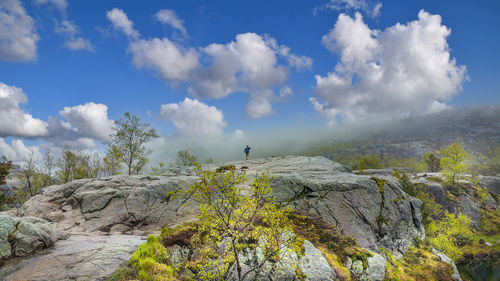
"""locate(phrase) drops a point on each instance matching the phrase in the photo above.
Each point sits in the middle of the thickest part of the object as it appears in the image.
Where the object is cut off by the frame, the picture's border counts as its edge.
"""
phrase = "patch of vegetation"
(124, 273)
(326, 238)
(225, 168)
(448, 235)
(370, 161)
(429, 209)
(151, 261)
(416, 264)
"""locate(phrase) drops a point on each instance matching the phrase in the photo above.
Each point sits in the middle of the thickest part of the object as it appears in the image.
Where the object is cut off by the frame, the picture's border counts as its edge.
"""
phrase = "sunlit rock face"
(377, 213)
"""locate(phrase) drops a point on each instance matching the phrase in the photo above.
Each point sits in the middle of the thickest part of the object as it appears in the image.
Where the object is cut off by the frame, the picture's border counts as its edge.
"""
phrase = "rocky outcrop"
(370, 208)
(118, 204)
(490, 183)
(314, 265)
(81, 257)
(471, 209)
(375, 213)
(21, 236)
(438, 193)
(444, 258)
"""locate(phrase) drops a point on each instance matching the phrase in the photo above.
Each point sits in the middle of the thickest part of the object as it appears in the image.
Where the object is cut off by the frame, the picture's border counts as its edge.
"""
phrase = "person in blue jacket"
(247, 151)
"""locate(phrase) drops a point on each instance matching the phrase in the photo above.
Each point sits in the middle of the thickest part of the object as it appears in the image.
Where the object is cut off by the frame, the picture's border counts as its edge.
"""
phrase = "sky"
(216, 75)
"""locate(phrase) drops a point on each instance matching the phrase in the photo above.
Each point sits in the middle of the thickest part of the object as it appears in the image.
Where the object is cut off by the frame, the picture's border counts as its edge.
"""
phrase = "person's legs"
(246, 155)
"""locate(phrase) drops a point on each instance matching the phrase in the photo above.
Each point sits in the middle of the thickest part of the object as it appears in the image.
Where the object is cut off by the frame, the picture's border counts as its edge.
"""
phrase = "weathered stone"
(80, 257)
(314, 265)
(375, 270)
(490, 183)
(354, 203)
(471, 209)
(444, 258)
(178, 254)
(21, 236)
(438, 193)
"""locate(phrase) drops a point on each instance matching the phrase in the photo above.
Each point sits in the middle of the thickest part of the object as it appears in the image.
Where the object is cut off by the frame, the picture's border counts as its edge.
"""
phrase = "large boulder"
(117, 204)
(490, 183)
(470, 209)
(21, 236)
(438, 193)
(374, 211)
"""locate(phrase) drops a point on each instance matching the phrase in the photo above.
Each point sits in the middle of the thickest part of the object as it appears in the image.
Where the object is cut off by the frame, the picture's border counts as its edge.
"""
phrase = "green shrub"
(151, 259)
(443, 235)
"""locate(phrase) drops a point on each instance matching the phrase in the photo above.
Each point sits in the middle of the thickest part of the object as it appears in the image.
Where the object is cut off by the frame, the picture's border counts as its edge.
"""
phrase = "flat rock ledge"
(81, 257)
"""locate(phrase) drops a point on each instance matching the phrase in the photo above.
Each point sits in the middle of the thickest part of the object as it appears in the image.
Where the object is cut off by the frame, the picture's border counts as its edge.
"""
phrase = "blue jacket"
(247, 149)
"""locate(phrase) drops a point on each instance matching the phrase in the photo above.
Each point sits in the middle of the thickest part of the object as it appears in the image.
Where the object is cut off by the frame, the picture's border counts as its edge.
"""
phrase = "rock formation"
(96, 213)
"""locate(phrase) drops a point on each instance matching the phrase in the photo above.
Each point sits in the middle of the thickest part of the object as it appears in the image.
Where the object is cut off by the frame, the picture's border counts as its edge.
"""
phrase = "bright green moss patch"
(150, 261)
(123, 274)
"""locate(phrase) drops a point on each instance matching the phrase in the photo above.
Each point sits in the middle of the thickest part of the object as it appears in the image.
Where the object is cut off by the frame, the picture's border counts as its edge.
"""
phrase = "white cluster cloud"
(170, 17)
(18, 36)
(193, 118)
(171, 61)
(17, 151)
(248, 64)
(14, 121)
(404, 69)
(90, 120)
(73, 42)
(81, 126)
(369, 7)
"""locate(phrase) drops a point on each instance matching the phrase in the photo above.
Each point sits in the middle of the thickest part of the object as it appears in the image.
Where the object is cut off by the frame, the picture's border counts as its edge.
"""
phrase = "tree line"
(125, 152)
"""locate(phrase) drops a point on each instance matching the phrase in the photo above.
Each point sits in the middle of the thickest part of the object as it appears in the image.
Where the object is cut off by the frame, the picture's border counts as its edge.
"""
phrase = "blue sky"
(119, 69)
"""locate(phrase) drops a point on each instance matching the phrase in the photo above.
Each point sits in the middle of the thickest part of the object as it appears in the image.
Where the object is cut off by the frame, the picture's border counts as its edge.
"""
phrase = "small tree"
(48, 166)
(184, 158)
(237, 222)
(112, 161)
(444, 235)
(160, 170)
(129, 138)
(431, 161)
(452, 161)
(370, 161)
(5, 166)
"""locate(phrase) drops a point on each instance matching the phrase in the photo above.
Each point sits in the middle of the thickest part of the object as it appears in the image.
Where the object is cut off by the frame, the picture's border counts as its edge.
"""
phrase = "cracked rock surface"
(21, 236)
(96, 213)
(375, 216)
(80, 257)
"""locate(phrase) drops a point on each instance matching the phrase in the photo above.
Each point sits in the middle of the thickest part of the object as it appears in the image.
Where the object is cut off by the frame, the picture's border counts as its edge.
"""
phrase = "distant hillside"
(477, 129)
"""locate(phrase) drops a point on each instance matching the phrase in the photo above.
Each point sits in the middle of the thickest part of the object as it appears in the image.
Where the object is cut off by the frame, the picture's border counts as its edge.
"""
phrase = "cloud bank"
(18, 36)
(402, 70)
(250, 64)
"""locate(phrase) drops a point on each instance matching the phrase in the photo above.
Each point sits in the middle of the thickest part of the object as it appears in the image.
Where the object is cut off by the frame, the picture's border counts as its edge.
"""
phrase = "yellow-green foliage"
(370, 161)
(334, 246)
(124, 273)
(226, 214)
(416, 265)
(445, 235)
(150, 260)
(410, 163)
(333, 260)
(490, 222)
(452, 161)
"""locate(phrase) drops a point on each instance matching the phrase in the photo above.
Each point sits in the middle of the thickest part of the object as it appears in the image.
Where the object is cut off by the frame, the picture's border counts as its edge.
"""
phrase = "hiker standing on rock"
(247, 151)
